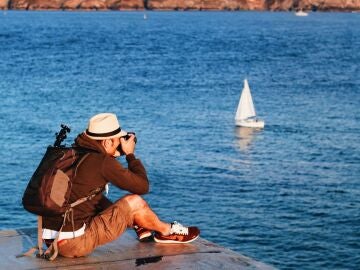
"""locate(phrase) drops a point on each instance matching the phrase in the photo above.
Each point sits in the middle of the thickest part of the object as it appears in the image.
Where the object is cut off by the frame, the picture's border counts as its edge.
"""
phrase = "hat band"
(107, 134)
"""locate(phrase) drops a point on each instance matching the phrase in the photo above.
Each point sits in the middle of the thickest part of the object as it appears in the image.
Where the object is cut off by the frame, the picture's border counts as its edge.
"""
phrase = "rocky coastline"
(258, 5)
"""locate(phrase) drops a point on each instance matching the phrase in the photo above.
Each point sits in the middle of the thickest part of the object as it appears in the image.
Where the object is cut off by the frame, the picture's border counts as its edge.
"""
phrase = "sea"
(287, 195)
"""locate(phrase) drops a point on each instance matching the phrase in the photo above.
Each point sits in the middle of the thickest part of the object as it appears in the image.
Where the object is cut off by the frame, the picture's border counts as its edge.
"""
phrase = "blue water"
(288, 195)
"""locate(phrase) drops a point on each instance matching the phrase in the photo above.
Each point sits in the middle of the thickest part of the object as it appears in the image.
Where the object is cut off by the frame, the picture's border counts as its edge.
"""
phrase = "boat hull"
(301, 14)
(250, 123)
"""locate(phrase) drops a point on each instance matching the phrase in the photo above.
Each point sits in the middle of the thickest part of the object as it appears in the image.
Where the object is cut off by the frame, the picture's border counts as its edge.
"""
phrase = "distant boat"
(301, 13)
(245, 113)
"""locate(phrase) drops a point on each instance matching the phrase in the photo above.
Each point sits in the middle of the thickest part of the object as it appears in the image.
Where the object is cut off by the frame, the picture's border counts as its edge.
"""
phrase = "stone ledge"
(127, 253)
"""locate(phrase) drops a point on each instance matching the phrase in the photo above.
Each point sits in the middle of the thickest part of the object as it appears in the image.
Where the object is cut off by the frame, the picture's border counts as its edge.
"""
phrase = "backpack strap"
(52, 252)
(39, 242)
(39, 235)
(87, 198)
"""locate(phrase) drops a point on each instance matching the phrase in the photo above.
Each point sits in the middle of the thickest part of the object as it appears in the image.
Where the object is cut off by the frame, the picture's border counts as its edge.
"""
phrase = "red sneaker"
(178, 234)
(143, 234)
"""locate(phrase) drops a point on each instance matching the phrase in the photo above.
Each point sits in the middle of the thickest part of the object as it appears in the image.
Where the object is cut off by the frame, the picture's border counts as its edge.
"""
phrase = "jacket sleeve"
(133, 179)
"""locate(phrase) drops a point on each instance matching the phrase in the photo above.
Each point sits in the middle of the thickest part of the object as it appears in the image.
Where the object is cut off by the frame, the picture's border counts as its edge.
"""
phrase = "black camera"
(126, 137)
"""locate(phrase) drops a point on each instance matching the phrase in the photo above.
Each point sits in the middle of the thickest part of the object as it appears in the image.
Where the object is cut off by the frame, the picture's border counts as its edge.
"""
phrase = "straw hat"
(104, 126)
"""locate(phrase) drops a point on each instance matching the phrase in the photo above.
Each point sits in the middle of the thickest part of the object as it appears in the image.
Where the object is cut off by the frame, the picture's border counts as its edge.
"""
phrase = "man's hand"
(128, 146)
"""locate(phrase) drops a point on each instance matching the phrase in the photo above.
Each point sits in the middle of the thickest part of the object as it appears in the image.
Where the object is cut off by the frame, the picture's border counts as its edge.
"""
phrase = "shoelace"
(177, 228)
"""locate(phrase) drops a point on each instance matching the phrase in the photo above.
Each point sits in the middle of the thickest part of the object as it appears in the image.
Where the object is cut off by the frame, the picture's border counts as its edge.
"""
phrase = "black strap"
(107, 134)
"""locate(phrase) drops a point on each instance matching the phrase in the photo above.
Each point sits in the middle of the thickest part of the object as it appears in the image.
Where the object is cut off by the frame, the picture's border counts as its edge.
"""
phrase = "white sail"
(246, 107)
(245, 114)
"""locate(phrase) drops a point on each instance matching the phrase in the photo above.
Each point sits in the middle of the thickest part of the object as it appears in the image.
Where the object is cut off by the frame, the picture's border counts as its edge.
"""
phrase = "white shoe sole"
(145, 236)
(174, 241)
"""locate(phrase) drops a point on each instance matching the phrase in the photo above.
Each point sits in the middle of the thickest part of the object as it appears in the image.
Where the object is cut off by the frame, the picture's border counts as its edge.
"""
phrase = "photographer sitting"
(99, 221)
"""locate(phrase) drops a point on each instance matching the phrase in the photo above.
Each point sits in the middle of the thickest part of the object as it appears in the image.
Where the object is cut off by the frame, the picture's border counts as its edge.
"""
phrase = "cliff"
(72, 4)
(277, 5)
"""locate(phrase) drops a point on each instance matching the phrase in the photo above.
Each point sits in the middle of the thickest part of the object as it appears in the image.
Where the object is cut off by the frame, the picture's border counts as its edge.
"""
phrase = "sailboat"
(301, 13)
(245, 113)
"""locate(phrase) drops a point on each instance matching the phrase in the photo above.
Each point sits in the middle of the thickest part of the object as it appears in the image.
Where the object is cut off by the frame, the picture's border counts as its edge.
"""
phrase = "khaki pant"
(104, 228)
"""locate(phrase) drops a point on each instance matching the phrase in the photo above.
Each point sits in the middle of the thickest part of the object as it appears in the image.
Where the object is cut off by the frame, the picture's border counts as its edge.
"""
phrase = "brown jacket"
(95, 171)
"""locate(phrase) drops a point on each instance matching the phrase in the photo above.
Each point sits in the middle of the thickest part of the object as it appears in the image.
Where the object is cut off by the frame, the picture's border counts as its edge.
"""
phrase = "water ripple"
(287, 195)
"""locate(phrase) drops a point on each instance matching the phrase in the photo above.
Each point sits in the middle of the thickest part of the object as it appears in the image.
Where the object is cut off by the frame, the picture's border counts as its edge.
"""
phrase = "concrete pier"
(126, 253)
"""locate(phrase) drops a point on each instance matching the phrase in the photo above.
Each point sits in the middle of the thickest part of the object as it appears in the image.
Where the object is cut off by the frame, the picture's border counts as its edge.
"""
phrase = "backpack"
(48, 191)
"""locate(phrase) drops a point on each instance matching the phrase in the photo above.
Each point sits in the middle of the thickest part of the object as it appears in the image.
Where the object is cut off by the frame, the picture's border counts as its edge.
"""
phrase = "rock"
(256, 4)
(330, 4)
(163, 4)
(312, 5)
(4, 4)
(134, 4)
(277, 5)
(71, 4)
(92, 4)
(207, 4)
(19, 4)
(44, 4)
(127, 253)
(125, 4)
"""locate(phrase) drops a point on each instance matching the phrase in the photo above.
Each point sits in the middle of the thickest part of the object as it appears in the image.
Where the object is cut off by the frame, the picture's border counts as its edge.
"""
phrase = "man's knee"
(135, 202)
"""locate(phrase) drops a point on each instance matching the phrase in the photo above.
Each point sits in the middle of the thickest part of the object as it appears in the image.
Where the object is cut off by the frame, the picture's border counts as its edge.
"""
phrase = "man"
(99, 221)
